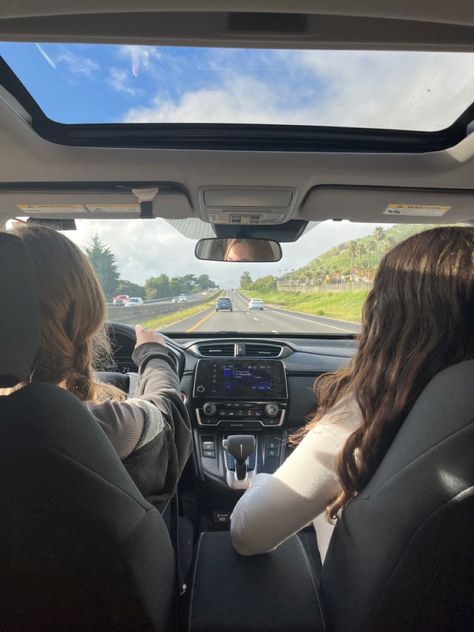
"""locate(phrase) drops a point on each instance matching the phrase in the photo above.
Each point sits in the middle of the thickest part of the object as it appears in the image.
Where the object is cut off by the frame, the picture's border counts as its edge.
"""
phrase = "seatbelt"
(174, 534)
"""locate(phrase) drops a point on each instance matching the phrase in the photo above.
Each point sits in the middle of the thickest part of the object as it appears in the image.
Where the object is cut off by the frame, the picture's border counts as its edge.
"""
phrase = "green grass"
(180, 314)
(345, 305)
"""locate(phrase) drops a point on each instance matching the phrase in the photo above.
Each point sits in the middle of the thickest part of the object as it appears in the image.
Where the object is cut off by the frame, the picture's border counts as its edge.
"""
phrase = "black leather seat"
(401, 558)
(80, 548)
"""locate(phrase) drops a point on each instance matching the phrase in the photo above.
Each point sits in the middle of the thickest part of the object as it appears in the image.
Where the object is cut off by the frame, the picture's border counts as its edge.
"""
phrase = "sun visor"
(389, 204)
(92, 204)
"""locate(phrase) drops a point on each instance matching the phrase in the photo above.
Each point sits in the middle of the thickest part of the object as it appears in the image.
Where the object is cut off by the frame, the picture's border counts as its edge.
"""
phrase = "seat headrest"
(19, 311)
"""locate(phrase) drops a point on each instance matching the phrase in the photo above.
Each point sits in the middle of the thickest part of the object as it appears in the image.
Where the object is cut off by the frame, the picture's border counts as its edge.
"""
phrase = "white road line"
(255, 318)
(274, 331)
(347, 331)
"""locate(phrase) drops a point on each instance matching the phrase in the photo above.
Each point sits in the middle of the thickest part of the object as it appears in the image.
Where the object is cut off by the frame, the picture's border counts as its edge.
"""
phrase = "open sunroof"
(241, 99)
(96, 84)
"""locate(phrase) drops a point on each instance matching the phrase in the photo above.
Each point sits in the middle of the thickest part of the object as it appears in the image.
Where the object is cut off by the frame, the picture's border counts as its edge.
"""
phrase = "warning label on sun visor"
(49, 208)
(416, 210)
(113, 208)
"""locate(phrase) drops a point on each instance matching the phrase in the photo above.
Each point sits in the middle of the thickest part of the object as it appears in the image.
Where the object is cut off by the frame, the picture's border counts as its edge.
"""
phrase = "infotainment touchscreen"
(243, 379)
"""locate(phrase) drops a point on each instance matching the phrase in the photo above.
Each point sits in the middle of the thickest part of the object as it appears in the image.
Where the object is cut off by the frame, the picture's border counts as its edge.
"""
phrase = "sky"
(85, 83)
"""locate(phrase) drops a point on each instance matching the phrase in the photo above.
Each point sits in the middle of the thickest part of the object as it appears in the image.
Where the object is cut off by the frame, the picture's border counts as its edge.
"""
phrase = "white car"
(256, 303)
(134, 301)
(182, 298)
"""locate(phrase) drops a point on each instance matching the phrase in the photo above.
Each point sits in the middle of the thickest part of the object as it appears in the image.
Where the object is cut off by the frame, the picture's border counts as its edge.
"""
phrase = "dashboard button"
(210, 454)
(272, 409)
(200, 389)
(209, 409)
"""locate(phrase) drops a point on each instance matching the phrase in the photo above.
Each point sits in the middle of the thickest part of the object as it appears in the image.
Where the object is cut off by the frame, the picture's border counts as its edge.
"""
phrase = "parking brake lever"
(241, 447)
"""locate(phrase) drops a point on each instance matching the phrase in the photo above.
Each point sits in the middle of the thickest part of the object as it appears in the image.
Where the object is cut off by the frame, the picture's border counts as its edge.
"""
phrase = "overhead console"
(246, 206)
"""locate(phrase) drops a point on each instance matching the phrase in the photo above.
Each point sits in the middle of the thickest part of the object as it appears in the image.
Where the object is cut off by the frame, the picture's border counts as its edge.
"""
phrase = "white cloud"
(77, 64)
(394, 90)
(120, 80)
(140, 57)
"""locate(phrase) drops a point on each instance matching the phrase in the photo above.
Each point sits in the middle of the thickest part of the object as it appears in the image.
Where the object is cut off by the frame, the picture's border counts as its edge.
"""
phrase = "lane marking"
(255, 318)
(274, 331)
(315, 322)
(199, 323)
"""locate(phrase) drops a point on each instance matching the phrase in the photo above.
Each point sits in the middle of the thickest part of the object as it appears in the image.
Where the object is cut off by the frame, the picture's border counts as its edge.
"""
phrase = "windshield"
(318, 287)
(86, 83)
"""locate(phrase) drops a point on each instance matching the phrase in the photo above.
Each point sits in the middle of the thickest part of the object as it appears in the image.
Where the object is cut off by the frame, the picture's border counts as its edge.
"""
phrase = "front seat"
(401, 558)
(80, 548)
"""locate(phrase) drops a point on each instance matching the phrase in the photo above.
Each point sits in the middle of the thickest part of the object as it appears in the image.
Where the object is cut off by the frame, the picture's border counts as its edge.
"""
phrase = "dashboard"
(250, 386)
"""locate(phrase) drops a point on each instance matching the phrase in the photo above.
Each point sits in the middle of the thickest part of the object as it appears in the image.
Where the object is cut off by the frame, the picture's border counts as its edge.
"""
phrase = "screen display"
(245, 379)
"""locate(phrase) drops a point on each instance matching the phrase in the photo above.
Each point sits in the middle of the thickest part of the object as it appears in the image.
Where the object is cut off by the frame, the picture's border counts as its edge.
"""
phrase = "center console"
(238, 396)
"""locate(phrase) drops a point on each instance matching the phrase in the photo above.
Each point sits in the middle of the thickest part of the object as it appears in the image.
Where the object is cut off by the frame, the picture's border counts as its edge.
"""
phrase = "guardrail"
(132, 315)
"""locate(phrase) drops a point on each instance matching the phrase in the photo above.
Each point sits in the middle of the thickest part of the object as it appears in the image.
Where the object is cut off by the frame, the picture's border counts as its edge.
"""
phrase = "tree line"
(106, 267)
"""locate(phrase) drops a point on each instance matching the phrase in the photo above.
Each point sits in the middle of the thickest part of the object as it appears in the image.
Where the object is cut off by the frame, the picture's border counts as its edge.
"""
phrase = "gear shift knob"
(241, 447)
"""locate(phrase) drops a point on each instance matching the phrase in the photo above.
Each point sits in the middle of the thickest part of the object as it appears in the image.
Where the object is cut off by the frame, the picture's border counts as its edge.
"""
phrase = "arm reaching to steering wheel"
(151, 431)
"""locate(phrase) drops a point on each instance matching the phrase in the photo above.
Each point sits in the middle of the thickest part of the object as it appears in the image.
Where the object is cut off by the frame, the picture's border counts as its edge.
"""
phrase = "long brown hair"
(417, 320)
(73, 340)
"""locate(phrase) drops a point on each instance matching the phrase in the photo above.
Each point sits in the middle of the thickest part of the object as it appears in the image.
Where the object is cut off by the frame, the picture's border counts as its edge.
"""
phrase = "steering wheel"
(123, 341)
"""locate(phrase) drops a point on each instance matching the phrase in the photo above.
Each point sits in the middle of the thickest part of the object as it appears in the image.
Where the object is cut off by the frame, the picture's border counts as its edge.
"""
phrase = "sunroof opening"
(84, 83)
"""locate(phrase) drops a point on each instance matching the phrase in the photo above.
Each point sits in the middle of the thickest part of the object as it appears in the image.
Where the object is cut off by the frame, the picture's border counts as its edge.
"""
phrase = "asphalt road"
(269, 320)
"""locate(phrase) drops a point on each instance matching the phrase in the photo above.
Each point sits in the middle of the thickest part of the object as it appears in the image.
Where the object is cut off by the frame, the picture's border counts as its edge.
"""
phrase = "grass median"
(346, 305)
(181, 314)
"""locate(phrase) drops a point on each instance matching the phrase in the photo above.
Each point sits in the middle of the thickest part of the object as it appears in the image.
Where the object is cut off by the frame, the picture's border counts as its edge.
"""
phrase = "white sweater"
(279, 505)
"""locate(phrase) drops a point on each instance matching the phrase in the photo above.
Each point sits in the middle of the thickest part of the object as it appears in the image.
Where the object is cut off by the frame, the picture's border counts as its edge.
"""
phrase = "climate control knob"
(209, 409)
(272, 409)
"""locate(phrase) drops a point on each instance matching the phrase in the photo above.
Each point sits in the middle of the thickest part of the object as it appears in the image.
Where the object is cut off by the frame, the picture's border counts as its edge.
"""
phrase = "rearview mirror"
(241, 250)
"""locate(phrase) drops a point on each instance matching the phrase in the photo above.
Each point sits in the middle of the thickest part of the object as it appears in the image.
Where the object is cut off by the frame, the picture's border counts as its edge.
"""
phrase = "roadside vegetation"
(340, 305)
(180, 314)
(105, 264)
(334, 284)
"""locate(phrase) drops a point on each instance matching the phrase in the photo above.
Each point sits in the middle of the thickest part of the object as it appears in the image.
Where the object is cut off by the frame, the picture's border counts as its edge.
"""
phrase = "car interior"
(81, 548)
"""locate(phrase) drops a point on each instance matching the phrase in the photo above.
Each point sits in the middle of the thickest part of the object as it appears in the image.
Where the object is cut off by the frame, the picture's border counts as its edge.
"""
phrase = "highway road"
(270, 321)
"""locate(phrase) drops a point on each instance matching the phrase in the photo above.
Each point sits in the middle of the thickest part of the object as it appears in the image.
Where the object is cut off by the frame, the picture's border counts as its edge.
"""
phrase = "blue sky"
(85, 83)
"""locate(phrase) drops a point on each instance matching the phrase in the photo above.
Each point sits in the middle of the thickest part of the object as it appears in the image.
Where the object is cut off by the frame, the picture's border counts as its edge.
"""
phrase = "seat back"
(80, 548)
(402, 555)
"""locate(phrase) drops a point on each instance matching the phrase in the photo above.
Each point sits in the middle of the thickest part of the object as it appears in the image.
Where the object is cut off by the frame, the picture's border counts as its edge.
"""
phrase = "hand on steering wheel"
(148, 335)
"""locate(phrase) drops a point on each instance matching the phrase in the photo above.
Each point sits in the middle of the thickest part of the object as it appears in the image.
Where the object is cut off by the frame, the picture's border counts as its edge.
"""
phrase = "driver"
(150, 432)
(247, 250)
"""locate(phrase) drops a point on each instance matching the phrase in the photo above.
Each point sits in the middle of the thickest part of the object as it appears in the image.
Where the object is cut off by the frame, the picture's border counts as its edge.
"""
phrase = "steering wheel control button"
(209, 409)
(272, 409)
(200, 388)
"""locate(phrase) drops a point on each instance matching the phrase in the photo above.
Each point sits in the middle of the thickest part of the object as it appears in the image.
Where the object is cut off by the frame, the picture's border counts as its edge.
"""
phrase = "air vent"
(262, 350)
(217, 350)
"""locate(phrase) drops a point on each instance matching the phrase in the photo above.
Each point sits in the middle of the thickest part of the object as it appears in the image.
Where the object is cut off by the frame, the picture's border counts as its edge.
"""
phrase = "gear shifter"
(241, 447)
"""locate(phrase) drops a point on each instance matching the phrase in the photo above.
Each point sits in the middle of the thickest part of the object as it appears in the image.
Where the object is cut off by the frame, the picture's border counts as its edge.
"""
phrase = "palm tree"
(353, 251)
(379, 236)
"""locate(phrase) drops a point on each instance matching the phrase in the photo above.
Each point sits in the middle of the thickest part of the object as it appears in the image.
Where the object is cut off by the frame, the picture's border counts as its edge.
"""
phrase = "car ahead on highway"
(224, 304)
(256, 303)
(344, 160)
(120, 300)
(134, 301)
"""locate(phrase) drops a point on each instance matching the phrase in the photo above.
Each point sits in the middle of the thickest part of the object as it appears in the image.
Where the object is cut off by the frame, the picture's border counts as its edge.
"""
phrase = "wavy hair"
(73, 340)
(417, 320)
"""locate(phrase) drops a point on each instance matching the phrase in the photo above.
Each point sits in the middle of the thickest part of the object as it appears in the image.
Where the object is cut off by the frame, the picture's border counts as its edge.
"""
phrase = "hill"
(358, 259)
